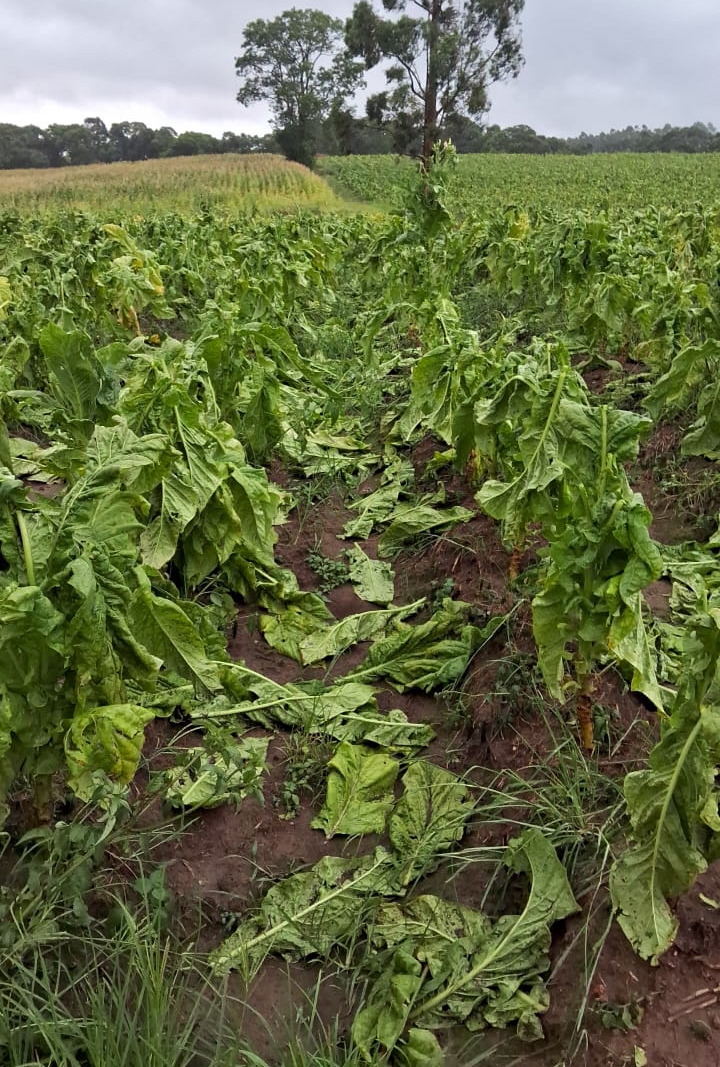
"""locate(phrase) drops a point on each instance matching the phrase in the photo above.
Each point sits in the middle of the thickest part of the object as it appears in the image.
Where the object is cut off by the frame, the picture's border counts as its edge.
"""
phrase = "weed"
(567, 794)
(695, 488)
(624, 1017)
(516, 692)
(331, 572)
(134, 998)
(305, 764)
(309, 494)
(440, 590)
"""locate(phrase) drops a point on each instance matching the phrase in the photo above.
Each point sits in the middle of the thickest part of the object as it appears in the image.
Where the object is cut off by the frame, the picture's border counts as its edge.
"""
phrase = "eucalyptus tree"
(441, 58)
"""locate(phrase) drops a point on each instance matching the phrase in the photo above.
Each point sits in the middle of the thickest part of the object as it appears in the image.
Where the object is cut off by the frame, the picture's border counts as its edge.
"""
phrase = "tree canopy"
(298, 64)
(442, 59)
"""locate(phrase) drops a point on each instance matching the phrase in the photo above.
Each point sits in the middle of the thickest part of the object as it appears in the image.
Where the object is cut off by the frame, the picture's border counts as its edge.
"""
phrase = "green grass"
(123, 985)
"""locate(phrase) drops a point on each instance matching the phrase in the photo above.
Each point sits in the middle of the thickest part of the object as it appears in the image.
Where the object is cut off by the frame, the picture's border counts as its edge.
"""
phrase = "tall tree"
(298, 64)
(442, 61)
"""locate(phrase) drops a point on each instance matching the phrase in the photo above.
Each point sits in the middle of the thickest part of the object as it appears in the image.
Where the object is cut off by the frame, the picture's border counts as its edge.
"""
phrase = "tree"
(69, 145)
(99, 139)
(298, 64)
(22, 146)
(194, 144)
(442, 61)
(131, 141)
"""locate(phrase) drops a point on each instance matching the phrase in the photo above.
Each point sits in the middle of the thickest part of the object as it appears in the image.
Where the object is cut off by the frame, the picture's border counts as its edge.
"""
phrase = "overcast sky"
(590, 64)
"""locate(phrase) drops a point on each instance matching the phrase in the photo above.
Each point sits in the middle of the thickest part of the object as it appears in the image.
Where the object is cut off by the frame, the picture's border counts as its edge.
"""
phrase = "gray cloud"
(597, 64)
(590, 64)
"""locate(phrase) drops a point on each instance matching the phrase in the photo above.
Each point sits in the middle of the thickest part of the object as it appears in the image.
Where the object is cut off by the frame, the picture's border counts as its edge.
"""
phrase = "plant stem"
(26, 547)
(42, 798)
(583, 708)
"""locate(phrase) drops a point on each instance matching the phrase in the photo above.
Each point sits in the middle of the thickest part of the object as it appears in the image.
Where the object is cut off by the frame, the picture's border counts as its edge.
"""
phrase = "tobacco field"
(360, 607)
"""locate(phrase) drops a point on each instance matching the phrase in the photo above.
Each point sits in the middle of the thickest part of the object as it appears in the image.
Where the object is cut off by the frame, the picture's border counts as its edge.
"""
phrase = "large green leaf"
(410, 520)
(391, 730)
(630, 642)
(429, 655)
(167, 632)
(381, 1022)
(73, 372)
(289, 626)
(673, 804)
(703, 437)
(107, 739)
(379, 505)
(372, 579)
(359, 792)
(688, 369)
(310, 706)
(309, 914)
(420, 1049)
(428, 819)
(476, 971)
(141, 462)
(349, 631)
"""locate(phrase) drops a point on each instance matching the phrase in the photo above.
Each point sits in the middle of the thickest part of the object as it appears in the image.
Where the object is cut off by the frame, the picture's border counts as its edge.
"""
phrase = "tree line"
(92, 141)
(340, 134)
(700, 137)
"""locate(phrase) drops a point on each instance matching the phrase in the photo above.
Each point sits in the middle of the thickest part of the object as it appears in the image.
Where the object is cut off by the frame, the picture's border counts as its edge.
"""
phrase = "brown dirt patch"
(683, 493)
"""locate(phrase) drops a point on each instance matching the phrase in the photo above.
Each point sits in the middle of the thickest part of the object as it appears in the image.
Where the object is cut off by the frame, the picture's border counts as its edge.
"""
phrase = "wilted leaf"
(107, 739)
(428, 819)
(359, 792)
(206, 778)
(372, 579)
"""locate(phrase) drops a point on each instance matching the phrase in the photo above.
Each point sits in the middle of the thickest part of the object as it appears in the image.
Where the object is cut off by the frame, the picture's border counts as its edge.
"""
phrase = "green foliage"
(309, 913)
(591, 599)
(673, 804)
(66, 600)
(219, 772)
(429, 655)
(410, 521)
(295, 62)
(331, 572)
(437, 960)
(359, 792)
(106, 739)
(428, 819)
(138, 521)
(339, 637)
(371, 579)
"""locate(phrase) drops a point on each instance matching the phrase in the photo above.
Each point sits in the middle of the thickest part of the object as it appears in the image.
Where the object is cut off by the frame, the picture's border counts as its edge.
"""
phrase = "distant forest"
(93, 142)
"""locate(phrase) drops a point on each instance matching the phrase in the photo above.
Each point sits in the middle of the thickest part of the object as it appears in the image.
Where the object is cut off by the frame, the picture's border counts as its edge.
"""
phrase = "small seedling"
(331, 572)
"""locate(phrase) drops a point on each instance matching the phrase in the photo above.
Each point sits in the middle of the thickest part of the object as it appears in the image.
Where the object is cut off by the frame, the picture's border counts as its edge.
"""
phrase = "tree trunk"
(430, 127)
